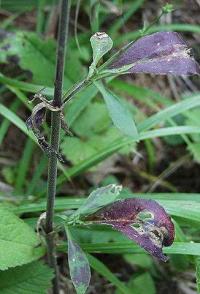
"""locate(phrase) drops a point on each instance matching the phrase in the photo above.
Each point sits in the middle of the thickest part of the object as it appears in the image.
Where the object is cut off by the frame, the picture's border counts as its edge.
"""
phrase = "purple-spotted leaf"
(78, 266)
(141, 220)
(159, 53)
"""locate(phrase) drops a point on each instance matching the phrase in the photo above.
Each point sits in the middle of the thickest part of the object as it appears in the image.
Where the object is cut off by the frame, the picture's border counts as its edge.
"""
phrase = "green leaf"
(38, 56)
(18, 242)
(99, 198)
(94, 133)
(119, 114)
(101, 43)
(78, 266)
(30, 278)
(33, 54)
(139, 284)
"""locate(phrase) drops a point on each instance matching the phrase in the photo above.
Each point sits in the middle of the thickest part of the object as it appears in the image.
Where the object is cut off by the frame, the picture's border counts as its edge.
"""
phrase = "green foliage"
(119, 114)
(38, 56)
(99, 198)
(94, 133)
(140, 284)
(34, 277)
(19, 244)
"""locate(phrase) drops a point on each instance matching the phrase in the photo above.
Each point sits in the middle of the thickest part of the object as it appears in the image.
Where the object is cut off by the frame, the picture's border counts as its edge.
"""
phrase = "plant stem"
(54, 140)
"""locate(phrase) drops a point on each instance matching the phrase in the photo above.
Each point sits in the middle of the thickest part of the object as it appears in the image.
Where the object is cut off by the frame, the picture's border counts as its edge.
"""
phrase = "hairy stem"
(54, 140)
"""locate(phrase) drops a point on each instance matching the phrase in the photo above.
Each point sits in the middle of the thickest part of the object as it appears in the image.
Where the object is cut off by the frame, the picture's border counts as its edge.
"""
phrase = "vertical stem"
(54, 140)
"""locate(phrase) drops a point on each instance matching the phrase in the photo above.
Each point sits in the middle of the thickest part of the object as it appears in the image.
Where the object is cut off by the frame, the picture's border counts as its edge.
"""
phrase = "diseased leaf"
(99, 198)
(37, 55)
(18, 242)
(119, 113)
(37, 117)
(143, 221)
(159, 53)
(78, 266)
(34, 277)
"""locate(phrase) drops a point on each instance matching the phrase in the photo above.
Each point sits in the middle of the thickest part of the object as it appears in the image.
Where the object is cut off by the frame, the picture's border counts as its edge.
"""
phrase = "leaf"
(99, 198)
(138, 284)
(37, 56)
(143, 221)
(93, 131)
(34, 277)
(119, 114)
(78, 266)
(101, 43)
(18, 242)
(159, 53)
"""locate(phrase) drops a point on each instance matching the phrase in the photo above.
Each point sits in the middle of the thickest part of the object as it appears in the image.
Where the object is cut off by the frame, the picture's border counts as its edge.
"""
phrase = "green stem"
(54, 141)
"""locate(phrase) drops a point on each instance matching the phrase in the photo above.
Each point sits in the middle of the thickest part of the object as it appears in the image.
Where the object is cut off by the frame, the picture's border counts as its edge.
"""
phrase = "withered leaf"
(158, 53)
(141, 220)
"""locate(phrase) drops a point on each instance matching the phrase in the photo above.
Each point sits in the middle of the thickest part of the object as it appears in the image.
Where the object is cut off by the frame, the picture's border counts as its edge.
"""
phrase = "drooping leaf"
(79, 266)
(18, 242)
(119, 113)
(143, 221)
(159, 53)
(99, 198)
(34, 277)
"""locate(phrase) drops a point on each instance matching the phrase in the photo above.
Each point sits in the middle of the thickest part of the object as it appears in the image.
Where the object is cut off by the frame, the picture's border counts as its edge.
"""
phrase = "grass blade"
(99, 267)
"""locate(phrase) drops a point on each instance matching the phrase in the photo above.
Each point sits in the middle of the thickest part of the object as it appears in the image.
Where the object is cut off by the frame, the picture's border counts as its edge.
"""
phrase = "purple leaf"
(37, 117)
(143, 221)
(79, 267)
(159, 53)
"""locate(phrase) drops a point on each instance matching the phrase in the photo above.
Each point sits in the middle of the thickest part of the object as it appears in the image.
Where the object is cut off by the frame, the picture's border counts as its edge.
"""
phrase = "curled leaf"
(141, 220)
(101, 43)
(37, 117)
(159, 53)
